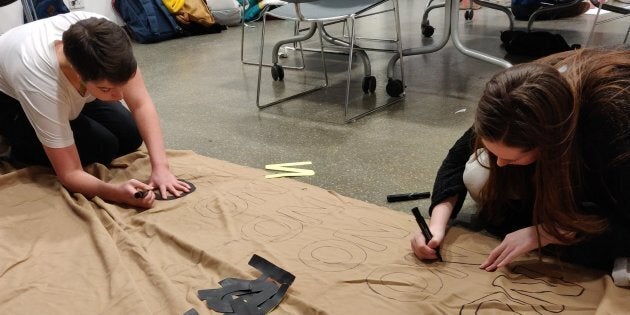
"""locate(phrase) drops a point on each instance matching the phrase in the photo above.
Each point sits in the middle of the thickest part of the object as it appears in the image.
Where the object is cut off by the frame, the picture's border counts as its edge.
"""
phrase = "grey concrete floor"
(206, 99)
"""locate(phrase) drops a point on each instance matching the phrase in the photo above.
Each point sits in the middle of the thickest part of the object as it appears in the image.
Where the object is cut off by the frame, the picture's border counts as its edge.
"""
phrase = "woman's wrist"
(546, 238)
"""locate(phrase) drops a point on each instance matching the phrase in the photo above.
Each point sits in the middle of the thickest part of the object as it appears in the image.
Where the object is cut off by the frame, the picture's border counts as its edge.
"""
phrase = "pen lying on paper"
(425, 230)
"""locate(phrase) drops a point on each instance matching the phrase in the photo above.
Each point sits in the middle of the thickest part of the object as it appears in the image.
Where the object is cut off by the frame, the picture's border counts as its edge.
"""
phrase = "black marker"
(409, 196)
(140, 194)
(425, 230)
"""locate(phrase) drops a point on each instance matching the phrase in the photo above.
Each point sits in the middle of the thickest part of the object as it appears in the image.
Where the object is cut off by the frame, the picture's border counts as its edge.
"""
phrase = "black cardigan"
(449, 180)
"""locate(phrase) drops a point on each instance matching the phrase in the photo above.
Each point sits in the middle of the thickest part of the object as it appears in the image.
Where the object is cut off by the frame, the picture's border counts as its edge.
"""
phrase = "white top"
(30, 73)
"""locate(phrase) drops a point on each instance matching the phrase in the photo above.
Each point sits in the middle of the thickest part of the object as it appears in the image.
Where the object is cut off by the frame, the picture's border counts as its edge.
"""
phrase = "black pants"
(523, 12)
(102, 131)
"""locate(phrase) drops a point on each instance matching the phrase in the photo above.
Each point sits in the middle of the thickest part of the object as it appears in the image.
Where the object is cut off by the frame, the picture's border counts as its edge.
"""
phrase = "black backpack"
(534, 44)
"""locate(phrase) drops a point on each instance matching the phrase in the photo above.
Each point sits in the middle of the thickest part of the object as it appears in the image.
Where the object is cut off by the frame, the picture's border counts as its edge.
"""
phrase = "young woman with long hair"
(548, 161)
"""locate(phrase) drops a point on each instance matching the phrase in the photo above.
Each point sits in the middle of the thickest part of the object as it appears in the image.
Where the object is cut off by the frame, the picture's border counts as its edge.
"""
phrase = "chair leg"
(245, 25)
(425, 25)
(320, 28)
(295, 39)
(590, 34)
(367, 66)
(399, 52)
(260, 65)
(260, 58)
(395, 87)
(350, 48)
(349, 75)
(399, 44)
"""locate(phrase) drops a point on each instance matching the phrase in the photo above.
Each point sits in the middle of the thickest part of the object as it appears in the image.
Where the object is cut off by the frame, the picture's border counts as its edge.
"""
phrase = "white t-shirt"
(30, 73)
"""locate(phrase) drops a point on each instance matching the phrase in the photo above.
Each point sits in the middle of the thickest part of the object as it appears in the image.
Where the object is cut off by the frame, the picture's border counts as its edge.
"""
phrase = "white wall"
(103, 7)
(12, 14)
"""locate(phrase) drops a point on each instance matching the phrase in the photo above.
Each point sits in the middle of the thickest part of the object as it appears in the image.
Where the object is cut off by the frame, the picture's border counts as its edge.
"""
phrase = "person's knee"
(103, 151)
(130, 141)
(113, 147)
(28, 155)
(115, 117)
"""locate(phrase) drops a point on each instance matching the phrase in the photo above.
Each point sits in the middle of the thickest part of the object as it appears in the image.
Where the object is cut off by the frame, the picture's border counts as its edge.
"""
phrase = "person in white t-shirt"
(62, 80)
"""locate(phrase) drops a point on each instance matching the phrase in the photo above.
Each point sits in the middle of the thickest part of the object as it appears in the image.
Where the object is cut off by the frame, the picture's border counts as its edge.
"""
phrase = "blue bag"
(46, 8)
(147, 21)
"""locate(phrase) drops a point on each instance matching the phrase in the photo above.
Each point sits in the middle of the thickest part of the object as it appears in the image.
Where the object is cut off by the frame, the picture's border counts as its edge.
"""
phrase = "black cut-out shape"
(158, 194)
(265, 291)
(191, 311)
(250, 297)
(219, 305)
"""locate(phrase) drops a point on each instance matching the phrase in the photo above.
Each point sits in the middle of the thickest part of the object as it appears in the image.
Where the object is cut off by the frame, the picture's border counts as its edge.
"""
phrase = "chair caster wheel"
(277, 72)
(394, 87)
(468, 15)
(369, 84)
(427, 30)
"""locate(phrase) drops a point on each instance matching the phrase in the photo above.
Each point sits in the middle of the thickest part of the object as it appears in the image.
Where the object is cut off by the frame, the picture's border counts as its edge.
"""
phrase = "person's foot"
(465, 5)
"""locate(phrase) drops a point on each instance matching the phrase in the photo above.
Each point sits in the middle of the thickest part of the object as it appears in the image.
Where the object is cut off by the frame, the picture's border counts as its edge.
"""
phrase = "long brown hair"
(538, 106)
(600, 79)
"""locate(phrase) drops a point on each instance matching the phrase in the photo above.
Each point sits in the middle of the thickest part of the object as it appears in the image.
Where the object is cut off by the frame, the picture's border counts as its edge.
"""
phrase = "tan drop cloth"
(63, 254)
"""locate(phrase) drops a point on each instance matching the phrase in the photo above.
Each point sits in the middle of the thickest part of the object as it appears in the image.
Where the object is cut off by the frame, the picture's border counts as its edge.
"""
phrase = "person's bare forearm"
(151, 132)
(79, 181)
(442, 213)
(147, 120)
(146, 117)
(67, 166)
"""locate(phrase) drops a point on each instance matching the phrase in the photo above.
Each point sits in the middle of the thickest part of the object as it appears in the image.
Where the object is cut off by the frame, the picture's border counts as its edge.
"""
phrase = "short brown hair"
(98, 49)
